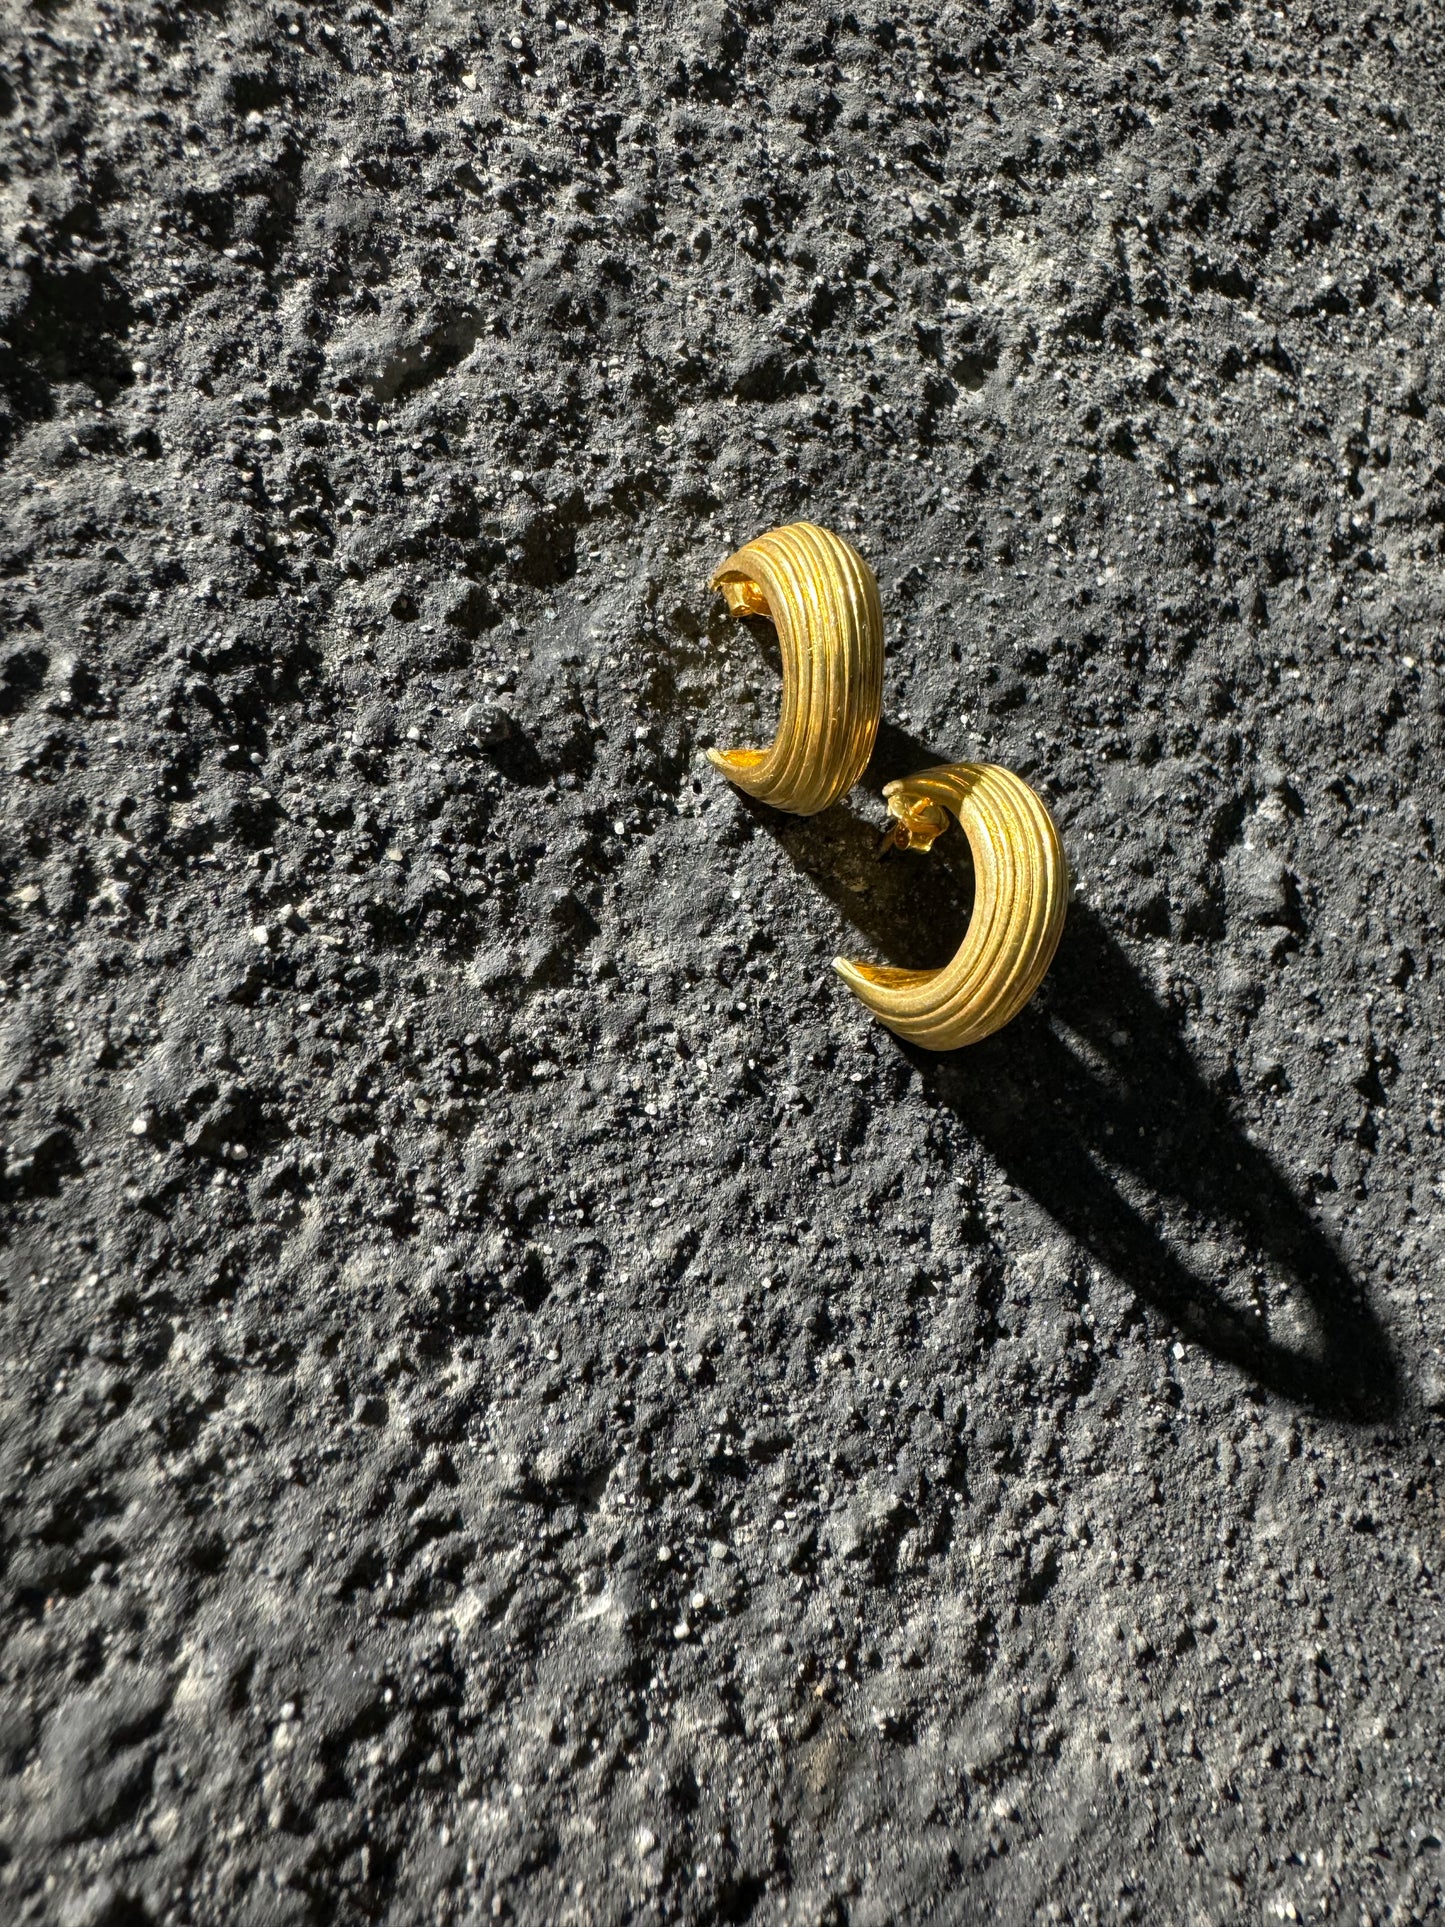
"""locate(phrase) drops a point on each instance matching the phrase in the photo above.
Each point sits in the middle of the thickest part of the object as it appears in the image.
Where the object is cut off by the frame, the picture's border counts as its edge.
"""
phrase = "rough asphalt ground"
(519, 1401)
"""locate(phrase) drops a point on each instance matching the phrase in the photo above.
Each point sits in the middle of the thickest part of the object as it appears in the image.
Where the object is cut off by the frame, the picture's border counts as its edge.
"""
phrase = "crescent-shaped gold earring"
(822, 598)
(1021, 887)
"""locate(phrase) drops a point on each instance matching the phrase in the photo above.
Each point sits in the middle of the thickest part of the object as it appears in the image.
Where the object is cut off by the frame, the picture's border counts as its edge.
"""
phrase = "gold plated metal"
(1021, 888)
(822, 598)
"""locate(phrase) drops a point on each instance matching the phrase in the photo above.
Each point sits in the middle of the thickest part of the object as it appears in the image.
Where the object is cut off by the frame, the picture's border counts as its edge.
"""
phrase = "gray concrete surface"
(519, 1402)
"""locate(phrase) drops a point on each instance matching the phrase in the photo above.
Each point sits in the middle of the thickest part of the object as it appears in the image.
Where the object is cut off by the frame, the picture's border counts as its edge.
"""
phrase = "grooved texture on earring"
(822, 598)
(1021, 888)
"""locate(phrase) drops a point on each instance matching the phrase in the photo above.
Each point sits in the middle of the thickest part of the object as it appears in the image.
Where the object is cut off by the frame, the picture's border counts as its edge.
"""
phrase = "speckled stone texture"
(518, 1401)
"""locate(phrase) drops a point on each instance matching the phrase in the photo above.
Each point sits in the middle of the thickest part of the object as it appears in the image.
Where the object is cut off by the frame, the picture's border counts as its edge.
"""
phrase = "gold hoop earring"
(1020, 895)
(822, 598)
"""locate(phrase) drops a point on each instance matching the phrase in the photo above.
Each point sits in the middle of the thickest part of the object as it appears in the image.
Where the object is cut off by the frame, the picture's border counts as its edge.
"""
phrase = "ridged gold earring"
(1021, 887)
(822, 598)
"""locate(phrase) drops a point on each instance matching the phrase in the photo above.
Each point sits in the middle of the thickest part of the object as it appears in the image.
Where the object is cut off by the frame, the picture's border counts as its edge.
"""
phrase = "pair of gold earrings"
(822, 598)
